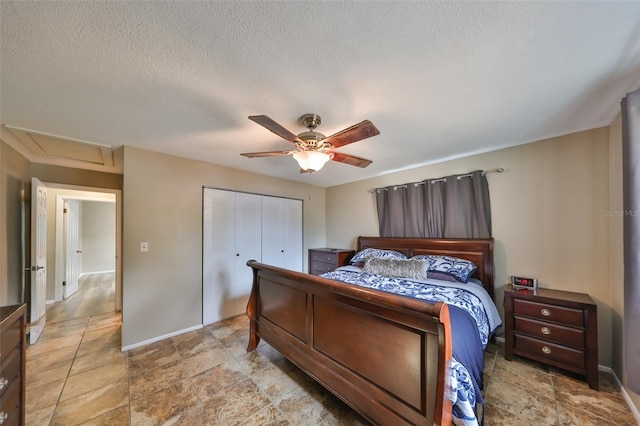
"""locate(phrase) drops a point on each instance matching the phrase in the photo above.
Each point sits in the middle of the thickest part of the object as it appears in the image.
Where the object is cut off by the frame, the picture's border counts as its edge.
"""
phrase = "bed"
(340, 334)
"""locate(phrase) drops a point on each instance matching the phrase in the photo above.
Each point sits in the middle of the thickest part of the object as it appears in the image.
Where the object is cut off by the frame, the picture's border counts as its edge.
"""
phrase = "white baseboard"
(623, 391)
(111, 271)
(157, 339)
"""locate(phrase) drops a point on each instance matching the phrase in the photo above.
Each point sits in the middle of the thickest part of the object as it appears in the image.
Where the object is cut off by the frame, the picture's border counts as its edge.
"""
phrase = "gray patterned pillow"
(399, 268)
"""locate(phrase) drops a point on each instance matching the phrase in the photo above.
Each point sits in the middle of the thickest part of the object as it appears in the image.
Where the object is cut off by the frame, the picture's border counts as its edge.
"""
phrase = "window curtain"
(631, 225)
(456, 206)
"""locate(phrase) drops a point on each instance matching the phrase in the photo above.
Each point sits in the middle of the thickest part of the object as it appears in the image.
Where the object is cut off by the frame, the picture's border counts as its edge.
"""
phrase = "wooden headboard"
(478, 251)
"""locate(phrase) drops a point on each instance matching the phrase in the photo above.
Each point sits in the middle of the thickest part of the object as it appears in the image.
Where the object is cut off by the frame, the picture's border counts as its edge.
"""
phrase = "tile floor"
(77, 374)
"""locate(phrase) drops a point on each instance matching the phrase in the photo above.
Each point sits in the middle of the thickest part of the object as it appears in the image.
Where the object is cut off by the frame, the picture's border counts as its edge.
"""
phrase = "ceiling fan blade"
(355, 133)
(266, 154)
(274, 127)
(351, 160)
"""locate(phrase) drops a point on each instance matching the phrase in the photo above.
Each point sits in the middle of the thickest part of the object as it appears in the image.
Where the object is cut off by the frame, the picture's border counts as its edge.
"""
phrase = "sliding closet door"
(248, 237)
(219, 254)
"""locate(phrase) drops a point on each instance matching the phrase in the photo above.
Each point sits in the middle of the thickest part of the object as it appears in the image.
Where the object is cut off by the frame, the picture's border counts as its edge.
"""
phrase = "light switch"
(144, 246)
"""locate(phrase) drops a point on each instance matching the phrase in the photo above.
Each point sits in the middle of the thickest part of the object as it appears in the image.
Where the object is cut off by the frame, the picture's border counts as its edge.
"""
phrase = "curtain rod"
(444, 179)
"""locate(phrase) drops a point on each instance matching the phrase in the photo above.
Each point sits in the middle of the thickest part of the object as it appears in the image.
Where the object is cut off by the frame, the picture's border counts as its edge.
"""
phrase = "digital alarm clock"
(522, 282)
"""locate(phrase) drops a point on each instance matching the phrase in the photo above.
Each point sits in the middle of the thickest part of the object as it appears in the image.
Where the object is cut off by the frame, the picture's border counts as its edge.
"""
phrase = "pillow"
(442, 276)
(460, 269)
(399, 268)
(363, 255)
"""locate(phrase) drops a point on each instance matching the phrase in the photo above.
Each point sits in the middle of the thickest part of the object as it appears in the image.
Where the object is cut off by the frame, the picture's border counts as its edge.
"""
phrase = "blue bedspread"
(474, 318)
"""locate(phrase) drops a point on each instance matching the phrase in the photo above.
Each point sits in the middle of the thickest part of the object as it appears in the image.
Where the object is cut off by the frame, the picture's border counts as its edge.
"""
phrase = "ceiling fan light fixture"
(311, 161)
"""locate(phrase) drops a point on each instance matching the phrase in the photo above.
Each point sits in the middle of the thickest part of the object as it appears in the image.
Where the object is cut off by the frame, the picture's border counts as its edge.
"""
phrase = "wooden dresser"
(323, 260)
(558, 328)
(12, 364)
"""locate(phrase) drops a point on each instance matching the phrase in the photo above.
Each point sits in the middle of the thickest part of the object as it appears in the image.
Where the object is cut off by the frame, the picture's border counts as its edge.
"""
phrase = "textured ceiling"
(440, 80)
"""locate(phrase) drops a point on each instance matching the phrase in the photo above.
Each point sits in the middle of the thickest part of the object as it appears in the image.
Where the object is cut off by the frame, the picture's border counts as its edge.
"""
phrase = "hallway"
(77, 329)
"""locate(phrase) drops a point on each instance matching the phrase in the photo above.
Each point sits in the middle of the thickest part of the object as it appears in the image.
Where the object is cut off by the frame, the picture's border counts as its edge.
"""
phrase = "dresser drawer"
(570, 358)
(317, 256)
(10, 339)
(548, 312)
(10, 405)
(567, 336)
(321, 267)
(9, 371)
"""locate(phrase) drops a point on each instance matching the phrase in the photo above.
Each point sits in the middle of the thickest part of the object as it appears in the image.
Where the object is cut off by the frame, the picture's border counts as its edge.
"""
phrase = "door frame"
(86, 193)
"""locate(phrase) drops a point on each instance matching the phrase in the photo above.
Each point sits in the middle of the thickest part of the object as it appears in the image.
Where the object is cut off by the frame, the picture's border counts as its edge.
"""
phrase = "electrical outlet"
(144, 246)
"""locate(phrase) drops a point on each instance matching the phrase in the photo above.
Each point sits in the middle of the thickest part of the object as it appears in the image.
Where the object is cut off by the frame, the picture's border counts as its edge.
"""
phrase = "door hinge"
(64, 283)
(64, 210)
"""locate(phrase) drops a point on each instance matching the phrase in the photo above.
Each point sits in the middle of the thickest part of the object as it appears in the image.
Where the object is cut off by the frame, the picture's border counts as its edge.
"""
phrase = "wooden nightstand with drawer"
(323, 260)
(558, 328)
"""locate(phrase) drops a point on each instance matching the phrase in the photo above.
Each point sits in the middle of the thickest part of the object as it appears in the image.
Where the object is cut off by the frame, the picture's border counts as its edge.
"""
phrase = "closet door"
(219, 255)
(282, 232)
(248, 235)
(272, 231)
(292, 234)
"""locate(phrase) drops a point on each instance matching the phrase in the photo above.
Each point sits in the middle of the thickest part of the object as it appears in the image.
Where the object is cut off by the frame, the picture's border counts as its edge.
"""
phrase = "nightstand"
(13, 345)
(558, 328)
(323, 260)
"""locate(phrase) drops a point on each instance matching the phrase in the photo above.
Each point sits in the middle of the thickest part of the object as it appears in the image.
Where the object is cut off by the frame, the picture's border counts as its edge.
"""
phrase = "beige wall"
(14, 175)
(162, 205)
(548, 213)
(98, 236)
(71, 176)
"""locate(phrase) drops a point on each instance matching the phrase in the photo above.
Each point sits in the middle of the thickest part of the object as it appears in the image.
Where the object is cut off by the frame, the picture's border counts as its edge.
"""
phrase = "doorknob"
(36, 268)
(78, 251)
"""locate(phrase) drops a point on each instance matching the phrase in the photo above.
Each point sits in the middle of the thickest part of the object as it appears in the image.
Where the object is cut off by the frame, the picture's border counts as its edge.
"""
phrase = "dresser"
(323, 260)
(12, 364)
(558, 328)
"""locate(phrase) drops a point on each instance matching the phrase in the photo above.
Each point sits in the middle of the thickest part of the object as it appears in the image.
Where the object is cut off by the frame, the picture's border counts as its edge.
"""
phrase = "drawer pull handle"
(546, 330)
(3, 382)
(3, 416)
(546, 350)
(545, 312)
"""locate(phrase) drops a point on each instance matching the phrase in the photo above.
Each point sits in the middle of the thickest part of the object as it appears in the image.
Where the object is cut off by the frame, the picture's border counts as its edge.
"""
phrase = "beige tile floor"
(76, 374)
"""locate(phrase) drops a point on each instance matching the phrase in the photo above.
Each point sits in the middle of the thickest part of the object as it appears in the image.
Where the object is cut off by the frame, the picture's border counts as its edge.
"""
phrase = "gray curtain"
(414, 207)
(468, 211)
(436, 198)
(457, 206)
(631, 193)
(390, 211)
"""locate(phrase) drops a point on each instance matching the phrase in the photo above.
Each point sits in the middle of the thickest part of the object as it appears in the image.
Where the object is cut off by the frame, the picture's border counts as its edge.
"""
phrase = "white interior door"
(71, 246)
(38, 251)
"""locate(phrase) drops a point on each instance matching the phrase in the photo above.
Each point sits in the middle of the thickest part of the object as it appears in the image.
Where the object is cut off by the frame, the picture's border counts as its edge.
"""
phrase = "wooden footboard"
(386, 356)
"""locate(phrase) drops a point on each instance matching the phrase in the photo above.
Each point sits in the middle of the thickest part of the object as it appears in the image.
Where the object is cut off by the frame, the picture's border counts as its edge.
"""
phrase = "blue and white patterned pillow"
(363, 255)
(460, 269)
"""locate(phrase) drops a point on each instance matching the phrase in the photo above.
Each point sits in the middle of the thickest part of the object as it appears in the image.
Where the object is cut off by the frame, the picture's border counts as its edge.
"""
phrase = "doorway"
(66, 257)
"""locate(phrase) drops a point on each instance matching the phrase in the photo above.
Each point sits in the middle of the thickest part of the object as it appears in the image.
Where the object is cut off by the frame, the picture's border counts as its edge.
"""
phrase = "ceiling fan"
(313, 149)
